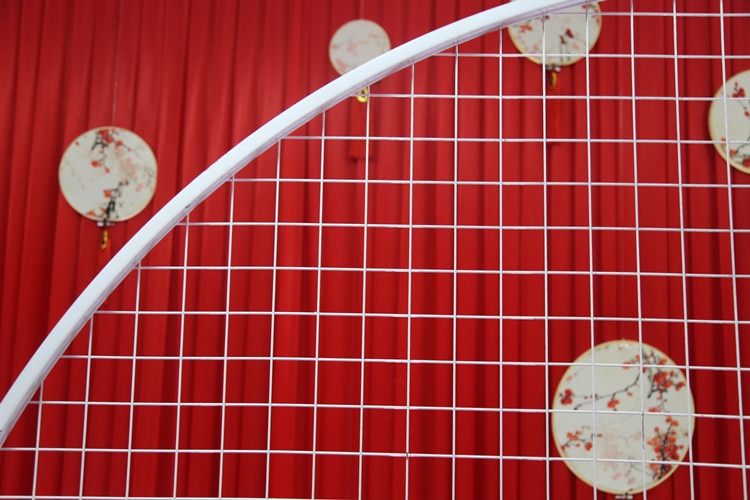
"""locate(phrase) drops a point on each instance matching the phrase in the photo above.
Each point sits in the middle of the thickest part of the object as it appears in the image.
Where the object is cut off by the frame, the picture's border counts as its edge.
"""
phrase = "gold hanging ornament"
(353, 44)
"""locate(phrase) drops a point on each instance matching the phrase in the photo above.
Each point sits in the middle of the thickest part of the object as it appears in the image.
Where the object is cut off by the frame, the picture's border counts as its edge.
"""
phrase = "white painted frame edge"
(66, 329)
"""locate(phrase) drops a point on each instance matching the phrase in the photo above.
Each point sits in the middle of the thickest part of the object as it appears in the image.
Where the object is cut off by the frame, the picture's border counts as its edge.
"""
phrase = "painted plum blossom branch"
(103, 140)
(737, 154)
(660, 382)
(582, 437)
(664, 444)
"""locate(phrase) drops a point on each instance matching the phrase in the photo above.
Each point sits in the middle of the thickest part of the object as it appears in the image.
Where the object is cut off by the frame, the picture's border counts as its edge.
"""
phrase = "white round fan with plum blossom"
(729, 121)
(623, 415)
(559, 39)
(355, 43)
(108, 174)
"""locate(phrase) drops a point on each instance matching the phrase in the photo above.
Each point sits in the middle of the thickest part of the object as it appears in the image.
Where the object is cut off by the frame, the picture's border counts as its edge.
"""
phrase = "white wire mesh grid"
(401, 321)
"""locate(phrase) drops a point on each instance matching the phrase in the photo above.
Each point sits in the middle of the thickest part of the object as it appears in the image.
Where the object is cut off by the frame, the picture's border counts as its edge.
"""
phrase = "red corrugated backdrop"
(195, 77)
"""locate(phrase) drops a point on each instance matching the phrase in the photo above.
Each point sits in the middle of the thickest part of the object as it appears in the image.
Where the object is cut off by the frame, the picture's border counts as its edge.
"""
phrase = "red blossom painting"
(729, 121)
(108, 174)
(559, 39)
(601, 406)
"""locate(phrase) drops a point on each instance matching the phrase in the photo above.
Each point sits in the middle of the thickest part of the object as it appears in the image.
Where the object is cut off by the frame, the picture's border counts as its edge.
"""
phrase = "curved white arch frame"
(251, 147)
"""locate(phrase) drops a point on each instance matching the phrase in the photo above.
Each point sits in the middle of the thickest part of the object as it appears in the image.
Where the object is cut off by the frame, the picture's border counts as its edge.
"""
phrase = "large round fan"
(623, 417)
(108, 174)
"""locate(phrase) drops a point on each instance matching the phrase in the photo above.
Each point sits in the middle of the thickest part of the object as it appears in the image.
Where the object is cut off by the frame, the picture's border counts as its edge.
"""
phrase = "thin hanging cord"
(116, 63)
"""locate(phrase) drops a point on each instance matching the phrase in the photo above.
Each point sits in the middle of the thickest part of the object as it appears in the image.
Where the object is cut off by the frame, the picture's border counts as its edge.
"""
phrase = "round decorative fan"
(559, 39)
(108, 174)
(729, 121)
(554, 41)
(355, 43)
(607, 399)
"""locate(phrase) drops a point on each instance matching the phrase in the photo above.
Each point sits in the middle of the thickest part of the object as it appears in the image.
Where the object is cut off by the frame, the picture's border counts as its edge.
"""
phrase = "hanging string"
(116, 61)
(105, 242)
(358, 114)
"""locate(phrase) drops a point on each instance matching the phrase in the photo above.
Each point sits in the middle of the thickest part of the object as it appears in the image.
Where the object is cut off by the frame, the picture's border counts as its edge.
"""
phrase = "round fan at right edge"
(729, 121)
